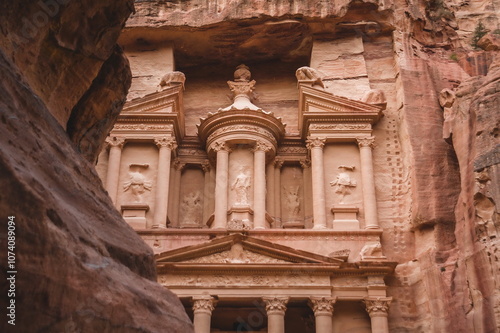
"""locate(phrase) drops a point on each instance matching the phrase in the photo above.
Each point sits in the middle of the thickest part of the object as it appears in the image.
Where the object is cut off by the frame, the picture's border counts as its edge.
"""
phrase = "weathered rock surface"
(80, 268)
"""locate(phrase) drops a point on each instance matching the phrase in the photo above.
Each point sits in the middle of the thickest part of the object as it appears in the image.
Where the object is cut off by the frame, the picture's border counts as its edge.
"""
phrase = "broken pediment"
(241, 249)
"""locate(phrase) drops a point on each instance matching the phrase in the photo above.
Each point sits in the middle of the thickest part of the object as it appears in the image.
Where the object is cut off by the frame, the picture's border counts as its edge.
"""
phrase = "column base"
(319, 227)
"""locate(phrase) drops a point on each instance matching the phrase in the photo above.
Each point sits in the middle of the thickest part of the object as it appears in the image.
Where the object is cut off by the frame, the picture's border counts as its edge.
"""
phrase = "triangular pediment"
(168, 100)
(240, 249)
(322, 107)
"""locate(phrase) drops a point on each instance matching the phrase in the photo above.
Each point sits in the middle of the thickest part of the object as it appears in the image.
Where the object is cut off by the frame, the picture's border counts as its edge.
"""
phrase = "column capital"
(204, 304)
(305, 163)
(278, 162)
(178, 165)
(366, 142)
(322, 305)
(275, 304)
(221, 146)
(315, 142)
(205, 166)
(377, 306)
(262, 146)
(165, 141)
(115, 141)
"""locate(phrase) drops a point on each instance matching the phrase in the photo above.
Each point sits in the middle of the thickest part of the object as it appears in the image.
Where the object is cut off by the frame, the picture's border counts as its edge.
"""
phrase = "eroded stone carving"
(375, 97)
(171, 79)
(344, 183)
(203, 304)
(241, 186)
(137, 182)
(191, 208)
(309, 75)
(315, 142)
(246, 280)
(292, 199)
(115, 141)
(237, 255)
(238, 225)
(370, 251)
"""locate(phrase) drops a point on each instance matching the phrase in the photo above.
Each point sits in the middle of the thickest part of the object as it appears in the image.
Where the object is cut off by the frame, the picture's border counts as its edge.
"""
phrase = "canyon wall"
(78, 267)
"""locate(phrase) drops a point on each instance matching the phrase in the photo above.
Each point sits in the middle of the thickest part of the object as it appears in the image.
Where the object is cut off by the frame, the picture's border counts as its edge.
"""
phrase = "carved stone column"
(176, 191)
(202, 309)
(275, 308)
(221, 181)
(278, 163)
(323, 312)
(270, 189)
(115, 155)
(259, 185)
(206, 191)
(306, 174)
(367, 177)
(377, 308)
(316, 144)
(165, 145)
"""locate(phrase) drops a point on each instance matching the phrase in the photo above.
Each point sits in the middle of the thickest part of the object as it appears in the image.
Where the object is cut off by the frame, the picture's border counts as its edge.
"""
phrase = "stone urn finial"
(242, 74)
(242, 89)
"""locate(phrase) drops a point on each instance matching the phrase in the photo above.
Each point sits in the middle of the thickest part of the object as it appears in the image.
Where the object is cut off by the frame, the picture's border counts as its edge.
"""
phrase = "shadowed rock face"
(80, 267)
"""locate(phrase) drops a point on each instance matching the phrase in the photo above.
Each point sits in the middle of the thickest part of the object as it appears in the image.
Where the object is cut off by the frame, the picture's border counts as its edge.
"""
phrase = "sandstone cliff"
(80, 268)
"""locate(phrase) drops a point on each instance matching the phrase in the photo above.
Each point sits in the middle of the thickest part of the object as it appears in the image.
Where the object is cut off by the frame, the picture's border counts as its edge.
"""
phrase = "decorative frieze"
(293, 279)
(142, 127)
(340, 127)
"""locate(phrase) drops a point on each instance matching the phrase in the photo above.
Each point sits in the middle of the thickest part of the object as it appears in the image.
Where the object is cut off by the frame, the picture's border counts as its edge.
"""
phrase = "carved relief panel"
(292, 196)
(137, 180)
(191, 198)
(343, 188)
(240, 191)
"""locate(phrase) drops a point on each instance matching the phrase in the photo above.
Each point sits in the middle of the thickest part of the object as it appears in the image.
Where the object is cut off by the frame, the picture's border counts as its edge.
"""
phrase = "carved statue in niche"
(191, 207)
(241, 186)
(137, 183)
(344, 183)
(292, 200)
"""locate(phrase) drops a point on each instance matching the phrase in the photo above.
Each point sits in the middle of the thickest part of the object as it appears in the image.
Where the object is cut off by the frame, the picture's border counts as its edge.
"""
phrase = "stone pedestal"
(345, 218)
(240, 216)
(135, 215)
